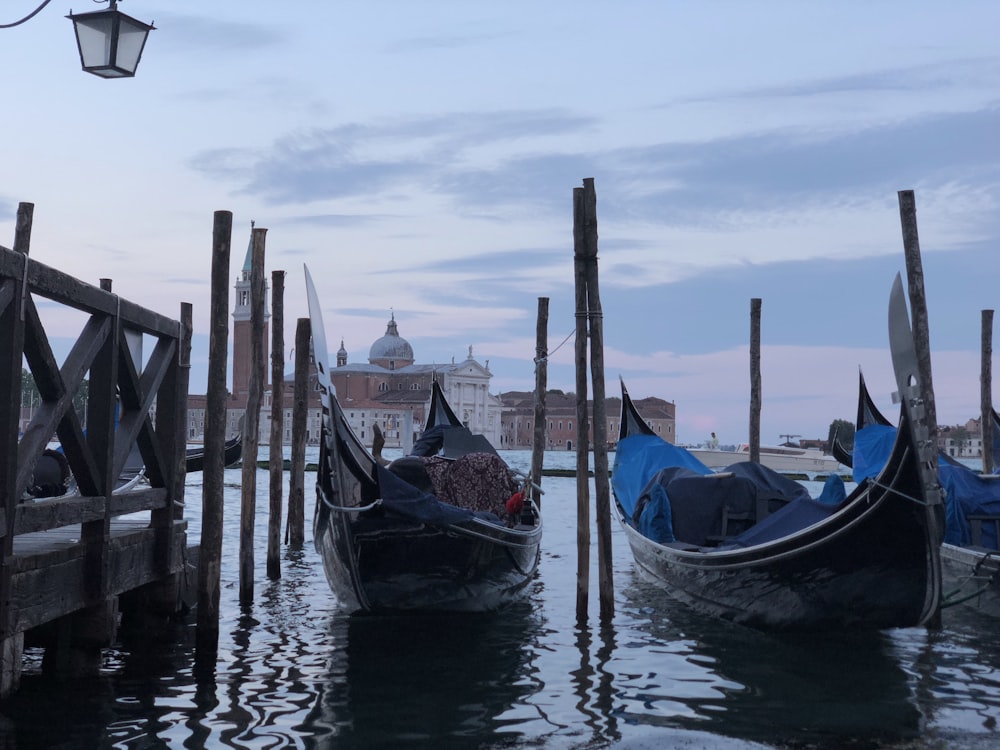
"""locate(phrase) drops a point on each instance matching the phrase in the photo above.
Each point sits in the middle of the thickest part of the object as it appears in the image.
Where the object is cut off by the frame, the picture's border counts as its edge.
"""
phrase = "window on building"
(383, 387)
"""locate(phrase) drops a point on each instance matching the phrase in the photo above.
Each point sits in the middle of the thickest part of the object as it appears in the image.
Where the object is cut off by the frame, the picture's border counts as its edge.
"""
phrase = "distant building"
(961, 441)
(390, 388)
(561, 419)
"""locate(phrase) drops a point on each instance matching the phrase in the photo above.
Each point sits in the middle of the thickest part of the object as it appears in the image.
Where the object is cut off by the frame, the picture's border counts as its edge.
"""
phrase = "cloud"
(214, 35)
(341, 162)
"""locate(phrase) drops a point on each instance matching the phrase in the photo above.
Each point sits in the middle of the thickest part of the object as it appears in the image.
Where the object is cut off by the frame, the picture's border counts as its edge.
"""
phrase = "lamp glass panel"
(131, 40)
(94, 36)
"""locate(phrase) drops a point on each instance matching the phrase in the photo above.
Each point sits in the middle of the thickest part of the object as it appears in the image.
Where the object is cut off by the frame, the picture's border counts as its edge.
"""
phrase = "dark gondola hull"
(376, 559)
(393, 565)
(869, 562)
(869, 567)
(970, 572)
(233, 452)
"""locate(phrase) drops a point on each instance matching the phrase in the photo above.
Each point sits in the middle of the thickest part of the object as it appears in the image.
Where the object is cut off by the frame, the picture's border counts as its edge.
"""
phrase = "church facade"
(390, 389)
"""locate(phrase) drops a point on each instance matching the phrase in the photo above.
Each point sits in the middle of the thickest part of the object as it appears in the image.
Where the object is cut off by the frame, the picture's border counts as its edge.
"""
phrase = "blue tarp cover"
(668, 495)
(406, 500)
(638, 458)
(967, 492)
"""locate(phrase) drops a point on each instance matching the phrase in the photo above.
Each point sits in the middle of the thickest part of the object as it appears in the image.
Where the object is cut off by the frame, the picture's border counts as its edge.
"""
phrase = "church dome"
(392, 350)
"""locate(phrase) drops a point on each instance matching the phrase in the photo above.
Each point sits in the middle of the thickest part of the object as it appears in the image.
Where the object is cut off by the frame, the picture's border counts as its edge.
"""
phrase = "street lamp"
(109, 41)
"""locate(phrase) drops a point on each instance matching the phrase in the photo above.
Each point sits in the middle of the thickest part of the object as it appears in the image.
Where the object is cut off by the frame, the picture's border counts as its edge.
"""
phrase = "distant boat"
(786, 459)
(443, 529)
(233, 451)
(747, 546)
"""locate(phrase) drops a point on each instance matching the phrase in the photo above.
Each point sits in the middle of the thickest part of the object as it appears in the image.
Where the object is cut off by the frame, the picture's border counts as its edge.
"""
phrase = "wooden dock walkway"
(73, 563)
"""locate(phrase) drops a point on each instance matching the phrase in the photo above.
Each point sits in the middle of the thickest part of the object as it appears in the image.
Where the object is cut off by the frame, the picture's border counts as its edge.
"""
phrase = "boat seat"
(980, 523)
(734, 523)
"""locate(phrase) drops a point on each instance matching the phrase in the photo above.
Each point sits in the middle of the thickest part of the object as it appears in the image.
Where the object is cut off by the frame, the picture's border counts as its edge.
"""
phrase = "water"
(295, 672)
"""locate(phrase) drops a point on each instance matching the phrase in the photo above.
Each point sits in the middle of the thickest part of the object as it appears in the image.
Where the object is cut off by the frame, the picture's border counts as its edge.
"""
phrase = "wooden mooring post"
(212, 505)
(541, 383)
(251, 438)
(71, 563)
(986, 391)
(590, 326)
(295, 529)
(920, 326)
(918, 303)
(755, 386)
(275, 456)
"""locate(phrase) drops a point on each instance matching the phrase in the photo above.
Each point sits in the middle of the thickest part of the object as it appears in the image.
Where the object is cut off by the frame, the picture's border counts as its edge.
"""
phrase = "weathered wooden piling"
(986, 391)
(918, 303)
(275, 456)
(295, 528)
(12, 320)
(251, 439)
(541, 383)
(589, 313)
(582, 438)
(183, 386)
(755, 387)
(920, 328)
(602, 487)
(210, 554)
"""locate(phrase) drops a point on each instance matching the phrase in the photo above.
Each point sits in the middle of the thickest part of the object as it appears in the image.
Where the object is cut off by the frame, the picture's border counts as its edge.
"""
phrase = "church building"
(390, 389)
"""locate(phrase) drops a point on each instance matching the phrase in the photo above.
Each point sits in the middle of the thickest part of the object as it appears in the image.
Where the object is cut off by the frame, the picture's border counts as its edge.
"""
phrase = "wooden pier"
(74, 564)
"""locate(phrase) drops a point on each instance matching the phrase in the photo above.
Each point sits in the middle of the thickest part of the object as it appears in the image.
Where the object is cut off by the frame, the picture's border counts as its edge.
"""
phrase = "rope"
(350, 508)
(947, 598)
(887, 488)
(527, 480)
(539, 360)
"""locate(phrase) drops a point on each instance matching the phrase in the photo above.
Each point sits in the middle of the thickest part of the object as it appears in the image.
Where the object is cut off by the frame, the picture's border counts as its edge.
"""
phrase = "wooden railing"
(131, 403)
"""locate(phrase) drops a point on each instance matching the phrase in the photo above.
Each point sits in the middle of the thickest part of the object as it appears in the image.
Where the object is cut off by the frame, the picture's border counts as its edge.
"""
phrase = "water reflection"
(701, 673)
(294, 672)
(594, 682)
(397, 680)
(956, 670)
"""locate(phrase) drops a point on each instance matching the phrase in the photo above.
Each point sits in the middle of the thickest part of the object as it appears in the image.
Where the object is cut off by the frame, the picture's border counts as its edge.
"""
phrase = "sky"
(420, 159)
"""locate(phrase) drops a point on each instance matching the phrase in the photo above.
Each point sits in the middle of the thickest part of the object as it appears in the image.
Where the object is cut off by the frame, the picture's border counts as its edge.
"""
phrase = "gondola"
(388, 539)
(970, 554)
(232, 453)
(737, 546)
(868, 414)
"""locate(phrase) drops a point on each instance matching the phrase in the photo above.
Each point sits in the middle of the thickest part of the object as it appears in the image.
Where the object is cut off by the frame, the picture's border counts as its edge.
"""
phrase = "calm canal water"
(294, 672)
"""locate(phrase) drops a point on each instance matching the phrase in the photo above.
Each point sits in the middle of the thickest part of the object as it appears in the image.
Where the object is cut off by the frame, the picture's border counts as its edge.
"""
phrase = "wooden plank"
(54, 513)
(44, 593)
(60, 287)
(11, 354)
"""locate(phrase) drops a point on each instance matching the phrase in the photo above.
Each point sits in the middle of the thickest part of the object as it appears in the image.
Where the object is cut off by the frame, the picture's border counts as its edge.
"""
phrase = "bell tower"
(242, 328)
